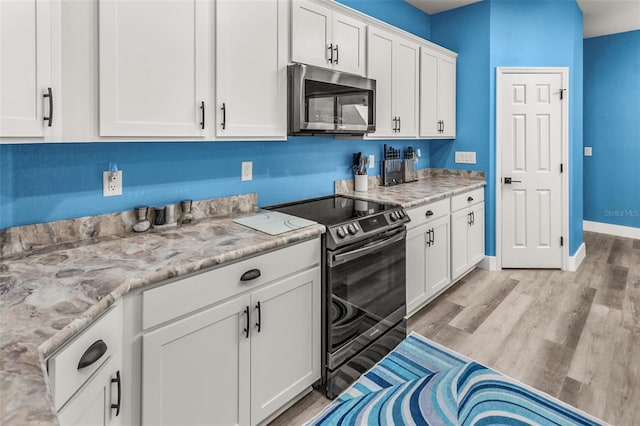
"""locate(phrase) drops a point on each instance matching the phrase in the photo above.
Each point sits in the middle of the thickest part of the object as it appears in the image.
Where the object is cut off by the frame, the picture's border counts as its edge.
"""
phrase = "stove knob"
(400, 214)
(393, 216)
(352, 229)
(341, 233)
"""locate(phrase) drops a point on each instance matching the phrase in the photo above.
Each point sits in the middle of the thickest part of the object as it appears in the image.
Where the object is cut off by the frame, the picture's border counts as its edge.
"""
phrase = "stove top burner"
(348, 219)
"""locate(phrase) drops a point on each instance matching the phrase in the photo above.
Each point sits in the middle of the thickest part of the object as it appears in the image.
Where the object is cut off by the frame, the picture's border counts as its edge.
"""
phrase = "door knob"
(508, 181)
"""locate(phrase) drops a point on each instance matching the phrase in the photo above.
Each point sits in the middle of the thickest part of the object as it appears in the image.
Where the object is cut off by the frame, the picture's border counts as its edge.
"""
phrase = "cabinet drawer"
(189, 294)
(65, 372)
(467, 199)
(418, 215)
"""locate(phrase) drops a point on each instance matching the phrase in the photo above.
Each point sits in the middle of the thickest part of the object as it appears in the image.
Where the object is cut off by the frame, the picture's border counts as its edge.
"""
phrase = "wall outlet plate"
(588, 151)
(111, 183)
(247, 170)
(372, 161)
(465, 157)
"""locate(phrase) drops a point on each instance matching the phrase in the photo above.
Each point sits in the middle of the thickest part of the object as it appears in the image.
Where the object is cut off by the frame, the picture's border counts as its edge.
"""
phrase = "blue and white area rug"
(423, 383)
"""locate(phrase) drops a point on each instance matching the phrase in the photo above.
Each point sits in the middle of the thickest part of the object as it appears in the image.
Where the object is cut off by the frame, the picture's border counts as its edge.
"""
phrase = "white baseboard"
(607, 228)
(576, 259)
(490, 263)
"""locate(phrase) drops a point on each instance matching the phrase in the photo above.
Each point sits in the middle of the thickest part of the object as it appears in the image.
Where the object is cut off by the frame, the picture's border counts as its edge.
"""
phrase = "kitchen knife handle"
(224, 116)
(202, 112)
(49, 95)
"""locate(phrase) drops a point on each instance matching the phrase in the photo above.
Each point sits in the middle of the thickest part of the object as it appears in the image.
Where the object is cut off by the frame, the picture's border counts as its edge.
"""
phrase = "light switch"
(587, 151)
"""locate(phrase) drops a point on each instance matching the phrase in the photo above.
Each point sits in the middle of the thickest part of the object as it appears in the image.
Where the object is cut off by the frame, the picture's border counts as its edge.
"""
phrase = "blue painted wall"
(47, 182)
(395, 12)
(499, 33)
(612, 128)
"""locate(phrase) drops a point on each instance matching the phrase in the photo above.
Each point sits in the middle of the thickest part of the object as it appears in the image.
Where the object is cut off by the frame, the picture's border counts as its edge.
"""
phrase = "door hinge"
(561, 241)
(562, 93)
(561, 168)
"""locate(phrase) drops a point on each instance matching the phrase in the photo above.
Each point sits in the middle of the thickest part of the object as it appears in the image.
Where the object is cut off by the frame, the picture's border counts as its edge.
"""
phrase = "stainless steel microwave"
(323, 101)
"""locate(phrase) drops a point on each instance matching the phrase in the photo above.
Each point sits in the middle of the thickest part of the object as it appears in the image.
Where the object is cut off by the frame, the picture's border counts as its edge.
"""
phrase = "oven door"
(366, 293)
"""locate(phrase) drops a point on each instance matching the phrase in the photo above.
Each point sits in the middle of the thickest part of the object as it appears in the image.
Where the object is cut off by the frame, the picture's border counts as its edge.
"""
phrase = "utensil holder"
(361, 183)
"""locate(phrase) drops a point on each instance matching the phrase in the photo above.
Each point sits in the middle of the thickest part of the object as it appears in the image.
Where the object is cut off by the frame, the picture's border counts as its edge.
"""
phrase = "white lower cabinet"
(98, 403)
(86, 375)
(467, 231)
(428, 250)
(242, 359)
(195, 371)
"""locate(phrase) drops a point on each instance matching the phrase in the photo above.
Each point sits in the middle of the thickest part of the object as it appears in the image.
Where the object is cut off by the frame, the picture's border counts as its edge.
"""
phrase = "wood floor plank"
(611, 284)
(433, 317)
(483, 305)
(569, 316)
(488, 340)
(621, 252)
(623, 390)
(302, 411)
(549, 367)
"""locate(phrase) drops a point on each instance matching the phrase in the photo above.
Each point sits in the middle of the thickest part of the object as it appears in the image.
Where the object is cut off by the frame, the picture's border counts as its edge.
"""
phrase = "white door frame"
(564, 227)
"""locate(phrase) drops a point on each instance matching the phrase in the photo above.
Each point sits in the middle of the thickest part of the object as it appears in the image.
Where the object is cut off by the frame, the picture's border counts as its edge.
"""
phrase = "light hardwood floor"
(572, 335)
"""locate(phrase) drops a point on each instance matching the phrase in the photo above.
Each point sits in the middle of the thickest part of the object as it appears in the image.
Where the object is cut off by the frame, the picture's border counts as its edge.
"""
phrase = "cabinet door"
(153, 67)
(447, 95)
(429, 93)
(251, 72)
(25, 75)
(417, 291)
(91, 405)
(348, 37)
(459, 242)
(380, 68)
(438, 269)
(195, 371)
(285, 348)
(310, 33)
(476, 234)
(405, 87)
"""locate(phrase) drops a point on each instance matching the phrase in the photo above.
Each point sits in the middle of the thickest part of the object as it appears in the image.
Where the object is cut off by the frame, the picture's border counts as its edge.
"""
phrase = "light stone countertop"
(432, 185)
(49, 295)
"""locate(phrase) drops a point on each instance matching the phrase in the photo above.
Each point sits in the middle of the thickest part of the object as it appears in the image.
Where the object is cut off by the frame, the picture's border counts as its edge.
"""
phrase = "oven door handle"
(338, 259)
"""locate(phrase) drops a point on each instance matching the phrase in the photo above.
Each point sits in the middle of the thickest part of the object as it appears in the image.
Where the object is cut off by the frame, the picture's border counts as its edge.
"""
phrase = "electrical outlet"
(588, 151)
(111, 183)
(372, 161)
(465, 157)
(247, 170)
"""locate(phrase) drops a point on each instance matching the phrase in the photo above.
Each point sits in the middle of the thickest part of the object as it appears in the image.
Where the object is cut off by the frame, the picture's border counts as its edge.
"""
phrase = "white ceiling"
(601, 17)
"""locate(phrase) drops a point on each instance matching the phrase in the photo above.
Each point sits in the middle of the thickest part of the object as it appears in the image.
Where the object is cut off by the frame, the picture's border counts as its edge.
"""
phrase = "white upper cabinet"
(437, 94)
(324, 38)
(251, 57)
(28, 97)
(154, 73)
(393, 62)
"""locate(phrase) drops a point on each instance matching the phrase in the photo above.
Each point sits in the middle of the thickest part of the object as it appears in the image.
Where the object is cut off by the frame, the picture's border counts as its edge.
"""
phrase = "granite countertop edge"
(25, 392)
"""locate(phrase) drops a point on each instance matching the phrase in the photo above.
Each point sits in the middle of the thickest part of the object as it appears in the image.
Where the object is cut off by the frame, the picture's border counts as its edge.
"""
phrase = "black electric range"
(363, 283)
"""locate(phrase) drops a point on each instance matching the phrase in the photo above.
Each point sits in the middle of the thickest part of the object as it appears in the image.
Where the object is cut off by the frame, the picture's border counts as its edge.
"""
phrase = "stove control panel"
(368, 226)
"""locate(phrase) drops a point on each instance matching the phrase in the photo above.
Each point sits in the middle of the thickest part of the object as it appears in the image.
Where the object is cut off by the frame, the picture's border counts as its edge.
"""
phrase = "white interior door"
(530, 127)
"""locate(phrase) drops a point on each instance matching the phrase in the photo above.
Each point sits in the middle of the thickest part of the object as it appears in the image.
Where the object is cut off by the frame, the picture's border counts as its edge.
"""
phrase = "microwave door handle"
(363, 251)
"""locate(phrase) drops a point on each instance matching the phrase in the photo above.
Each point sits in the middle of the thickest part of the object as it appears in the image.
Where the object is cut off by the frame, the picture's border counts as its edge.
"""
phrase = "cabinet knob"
(429, 213)
(470, 199)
